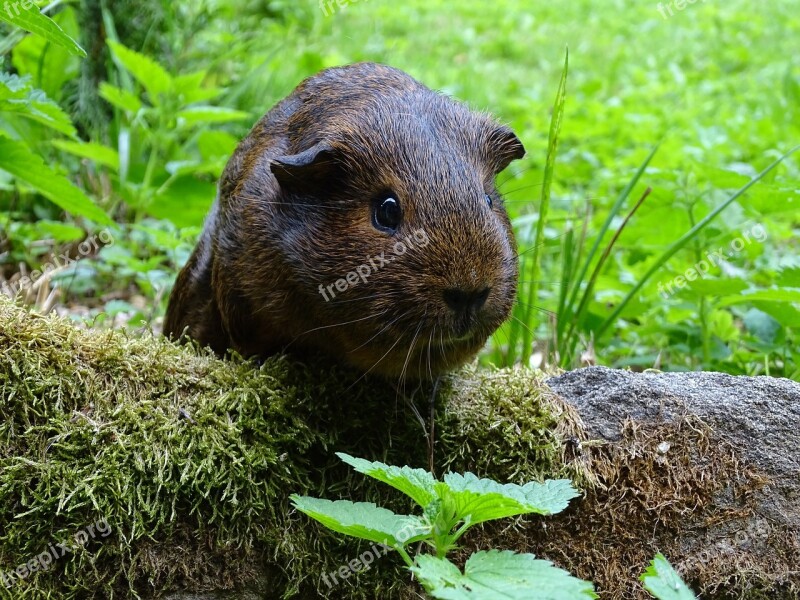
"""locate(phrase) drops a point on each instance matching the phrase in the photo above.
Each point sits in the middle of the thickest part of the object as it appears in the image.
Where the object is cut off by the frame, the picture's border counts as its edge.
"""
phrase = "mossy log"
(187, 461)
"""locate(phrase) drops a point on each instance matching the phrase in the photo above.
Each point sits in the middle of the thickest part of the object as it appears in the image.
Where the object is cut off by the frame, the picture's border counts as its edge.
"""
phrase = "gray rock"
(748, 544)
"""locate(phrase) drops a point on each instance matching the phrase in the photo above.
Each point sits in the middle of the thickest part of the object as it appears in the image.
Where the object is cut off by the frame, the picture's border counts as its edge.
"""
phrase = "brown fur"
(294, 210)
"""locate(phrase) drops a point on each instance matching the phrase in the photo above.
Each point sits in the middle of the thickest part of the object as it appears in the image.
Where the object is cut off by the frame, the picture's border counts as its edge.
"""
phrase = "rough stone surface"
(753, 535)
(741, 409)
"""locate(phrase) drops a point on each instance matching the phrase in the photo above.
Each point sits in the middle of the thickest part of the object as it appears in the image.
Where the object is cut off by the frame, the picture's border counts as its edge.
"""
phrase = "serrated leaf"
(120, 98)
(18, 96)
(500, 575)
(210, 114)
(661, 580)
(97, 153)
(34, 21)
(153, 77)
(50, 70)
(418, 484)
(484, 499)
(19, 161)
(363, 520)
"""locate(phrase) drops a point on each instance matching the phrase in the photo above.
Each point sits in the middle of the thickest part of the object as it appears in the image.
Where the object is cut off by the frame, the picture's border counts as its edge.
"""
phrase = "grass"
(716, 87)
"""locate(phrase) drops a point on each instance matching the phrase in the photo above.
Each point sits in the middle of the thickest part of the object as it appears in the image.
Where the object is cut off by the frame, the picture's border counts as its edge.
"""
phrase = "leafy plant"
(20, 102)
(449, 508)
(161, 121)
(571, 322)
(31, 19)
(661, 580)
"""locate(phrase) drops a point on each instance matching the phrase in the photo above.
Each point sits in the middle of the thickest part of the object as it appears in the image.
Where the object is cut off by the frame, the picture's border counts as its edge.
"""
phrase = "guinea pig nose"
(465, 302)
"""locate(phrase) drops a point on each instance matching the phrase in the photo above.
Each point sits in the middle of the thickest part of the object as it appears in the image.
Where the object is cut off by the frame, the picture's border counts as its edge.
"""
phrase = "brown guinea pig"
(359, 218)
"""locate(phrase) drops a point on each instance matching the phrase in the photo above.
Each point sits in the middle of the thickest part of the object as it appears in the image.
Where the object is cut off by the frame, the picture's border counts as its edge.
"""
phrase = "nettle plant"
(449, 508)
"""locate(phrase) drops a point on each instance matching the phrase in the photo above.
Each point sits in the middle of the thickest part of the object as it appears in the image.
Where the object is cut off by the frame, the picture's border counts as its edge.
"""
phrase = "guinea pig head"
(393, 229)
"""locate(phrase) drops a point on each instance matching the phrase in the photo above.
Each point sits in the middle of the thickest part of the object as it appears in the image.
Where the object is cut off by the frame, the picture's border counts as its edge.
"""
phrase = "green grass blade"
(565, 318)
(544, 207)
(567, 269)
(566, 354)
(687, 237)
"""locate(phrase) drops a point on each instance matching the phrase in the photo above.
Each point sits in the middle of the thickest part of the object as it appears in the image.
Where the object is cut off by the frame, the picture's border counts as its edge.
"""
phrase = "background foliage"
(140, 128)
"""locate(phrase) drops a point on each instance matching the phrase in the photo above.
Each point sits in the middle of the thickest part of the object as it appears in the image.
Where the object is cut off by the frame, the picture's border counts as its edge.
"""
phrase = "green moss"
(191, 459)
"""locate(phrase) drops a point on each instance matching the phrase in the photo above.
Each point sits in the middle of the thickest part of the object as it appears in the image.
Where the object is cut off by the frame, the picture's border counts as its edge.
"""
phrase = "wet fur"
(294, 210)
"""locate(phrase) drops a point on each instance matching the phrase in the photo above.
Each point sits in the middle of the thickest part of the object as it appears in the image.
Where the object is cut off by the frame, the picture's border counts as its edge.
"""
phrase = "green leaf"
(47, 64)
(153, 77)
(190, 88)
(418, 484)
(789, 277)
(60, 232)
(499, 575)
(363, 520)
(185, 201)
(764, 295)
(18, 96)
(663, 582)
(483, 499)
(761, 325)
(210, 114)
(216, 144)
(718, 287)
(19, 161)
(31, 19)
(97, 153)
(120, 98)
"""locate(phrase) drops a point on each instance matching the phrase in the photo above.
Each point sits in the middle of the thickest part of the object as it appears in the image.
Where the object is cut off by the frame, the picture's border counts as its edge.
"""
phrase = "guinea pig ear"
(307, 169)
(504, 147)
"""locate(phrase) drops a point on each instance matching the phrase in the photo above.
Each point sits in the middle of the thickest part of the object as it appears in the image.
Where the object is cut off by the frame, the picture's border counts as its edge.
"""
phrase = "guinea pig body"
(358, 218)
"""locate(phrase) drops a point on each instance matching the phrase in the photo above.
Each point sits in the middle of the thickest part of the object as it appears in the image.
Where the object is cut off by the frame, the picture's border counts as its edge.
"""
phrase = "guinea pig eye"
(489, 200)
(387, 214)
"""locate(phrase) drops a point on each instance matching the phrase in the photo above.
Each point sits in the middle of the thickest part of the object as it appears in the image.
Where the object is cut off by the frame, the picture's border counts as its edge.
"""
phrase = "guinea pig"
(359, 219)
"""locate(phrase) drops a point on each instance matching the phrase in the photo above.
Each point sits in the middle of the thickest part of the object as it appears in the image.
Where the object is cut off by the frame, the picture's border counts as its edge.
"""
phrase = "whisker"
(331, 326)
(430, 343)
(515, 173)
(537, 308)
(375, 365)
(521, 188)
(533, 335)
(401, 379)
(541, 245)
(384, 328)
